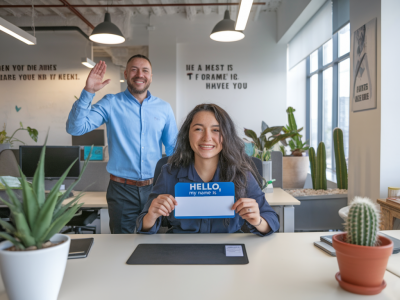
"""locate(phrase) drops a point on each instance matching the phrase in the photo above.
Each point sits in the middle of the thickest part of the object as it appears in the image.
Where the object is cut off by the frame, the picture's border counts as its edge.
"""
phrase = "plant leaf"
(12, 240)
(30, 204)
(59, 223)
(7, 226)
(273, 130)
(13, 197)
(33, 133)
(251, 134)
(23, 231)
(38, 177)
(63, 208)
(64, 196)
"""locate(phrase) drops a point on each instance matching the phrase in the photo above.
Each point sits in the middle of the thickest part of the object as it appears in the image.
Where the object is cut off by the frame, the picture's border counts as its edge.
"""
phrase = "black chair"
(159, 166)
(258, 164)
(81, 221)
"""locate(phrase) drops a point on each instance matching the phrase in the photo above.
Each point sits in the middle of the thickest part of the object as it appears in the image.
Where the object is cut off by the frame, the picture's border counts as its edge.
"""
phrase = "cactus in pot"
(362, 223)
(361, 253)
(318, 167)
(341, 167)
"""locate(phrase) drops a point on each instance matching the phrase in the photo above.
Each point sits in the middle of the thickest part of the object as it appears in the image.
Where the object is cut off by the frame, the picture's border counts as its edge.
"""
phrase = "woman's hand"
(248, 209)
(163, 205)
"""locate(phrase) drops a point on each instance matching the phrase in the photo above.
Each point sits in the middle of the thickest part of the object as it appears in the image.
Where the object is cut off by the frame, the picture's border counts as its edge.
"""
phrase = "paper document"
(12, 182)
(204, 200)
(234, 250)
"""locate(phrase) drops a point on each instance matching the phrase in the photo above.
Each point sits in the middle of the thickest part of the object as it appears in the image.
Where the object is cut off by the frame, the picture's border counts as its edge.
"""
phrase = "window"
(328, 93)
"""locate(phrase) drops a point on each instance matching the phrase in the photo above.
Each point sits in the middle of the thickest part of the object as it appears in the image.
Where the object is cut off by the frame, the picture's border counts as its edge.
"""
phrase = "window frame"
(335, 89)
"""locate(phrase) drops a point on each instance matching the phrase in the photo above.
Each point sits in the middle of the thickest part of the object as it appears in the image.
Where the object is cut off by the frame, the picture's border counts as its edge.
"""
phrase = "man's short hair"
(139, 56)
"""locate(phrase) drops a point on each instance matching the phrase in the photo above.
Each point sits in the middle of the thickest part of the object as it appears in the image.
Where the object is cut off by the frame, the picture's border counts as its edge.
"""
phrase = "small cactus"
(341, 167)
(362, 223)
(320, 176)
(313, 165)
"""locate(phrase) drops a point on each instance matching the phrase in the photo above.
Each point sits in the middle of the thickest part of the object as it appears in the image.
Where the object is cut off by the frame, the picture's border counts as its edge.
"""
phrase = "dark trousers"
(125, 203)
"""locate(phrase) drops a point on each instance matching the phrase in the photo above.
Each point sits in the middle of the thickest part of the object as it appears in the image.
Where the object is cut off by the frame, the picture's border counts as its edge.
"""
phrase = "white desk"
(394, 260)
(282, 202)
(281, 266)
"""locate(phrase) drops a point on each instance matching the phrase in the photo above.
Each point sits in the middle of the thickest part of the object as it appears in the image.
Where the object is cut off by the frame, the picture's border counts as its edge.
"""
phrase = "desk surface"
(277, 198)
(394, 260)
(282, 266)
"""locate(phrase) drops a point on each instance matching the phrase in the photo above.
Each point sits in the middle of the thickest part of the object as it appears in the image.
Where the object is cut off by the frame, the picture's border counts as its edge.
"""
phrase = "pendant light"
(225, 31)
(107, 32)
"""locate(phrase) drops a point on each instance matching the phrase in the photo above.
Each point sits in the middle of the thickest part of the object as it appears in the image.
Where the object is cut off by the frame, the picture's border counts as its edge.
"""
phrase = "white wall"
(45, 103)
(296, 94)
(257, 60)
(365, 126)
(390, 104)
(287, 13)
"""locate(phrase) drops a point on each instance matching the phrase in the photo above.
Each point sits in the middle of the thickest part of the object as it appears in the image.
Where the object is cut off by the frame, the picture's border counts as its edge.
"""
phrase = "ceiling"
(189, 11)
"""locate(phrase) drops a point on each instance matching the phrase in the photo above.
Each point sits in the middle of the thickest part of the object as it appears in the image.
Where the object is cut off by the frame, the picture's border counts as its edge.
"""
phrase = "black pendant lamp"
(107, 32)
(225, 31)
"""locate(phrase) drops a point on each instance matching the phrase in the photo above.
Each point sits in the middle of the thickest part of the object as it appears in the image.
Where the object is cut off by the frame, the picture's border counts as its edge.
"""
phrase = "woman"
(208, 149)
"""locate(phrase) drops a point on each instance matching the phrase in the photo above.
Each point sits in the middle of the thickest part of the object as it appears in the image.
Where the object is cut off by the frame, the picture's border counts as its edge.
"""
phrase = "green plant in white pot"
(263, 145)
(33, 259)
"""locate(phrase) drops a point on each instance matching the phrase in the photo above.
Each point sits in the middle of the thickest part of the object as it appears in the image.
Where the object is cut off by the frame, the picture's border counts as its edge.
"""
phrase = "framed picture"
(364, 67)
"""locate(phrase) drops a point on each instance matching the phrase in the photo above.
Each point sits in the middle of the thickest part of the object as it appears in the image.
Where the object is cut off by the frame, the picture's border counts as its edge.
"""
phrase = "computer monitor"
(95, 137)
(57, 160)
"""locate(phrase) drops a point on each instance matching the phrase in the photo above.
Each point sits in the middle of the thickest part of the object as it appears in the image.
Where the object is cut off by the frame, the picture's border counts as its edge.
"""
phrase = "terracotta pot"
(362, 267)
(294, 171)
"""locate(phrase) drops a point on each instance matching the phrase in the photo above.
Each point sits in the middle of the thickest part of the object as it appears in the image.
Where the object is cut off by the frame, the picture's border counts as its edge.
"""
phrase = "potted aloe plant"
(33, 259)
(362, 254)
(7, 141)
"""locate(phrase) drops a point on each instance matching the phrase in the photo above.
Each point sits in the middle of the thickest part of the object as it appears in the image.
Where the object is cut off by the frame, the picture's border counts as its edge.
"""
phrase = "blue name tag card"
(97, 153)
(204, 200)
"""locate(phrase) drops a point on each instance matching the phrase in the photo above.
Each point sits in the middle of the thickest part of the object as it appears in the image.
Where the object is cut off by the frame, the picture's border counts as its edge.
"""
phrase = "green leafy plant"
(318, 167)
(362, 223)
(33, 133)
(38, 217)
(297, 147)
(341, 167)
(263, 144)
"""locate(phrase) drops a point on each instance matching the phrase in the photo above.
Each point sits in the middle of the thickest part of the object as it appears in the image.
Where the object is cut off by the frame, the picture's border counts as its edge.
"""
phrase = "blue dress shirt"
(166, 185)
(135, 131)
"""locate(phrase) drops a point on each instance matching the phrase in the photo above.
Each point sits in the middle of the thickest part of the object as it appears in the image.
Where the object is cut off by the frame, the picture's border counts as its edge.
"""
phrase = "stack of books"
(325, 244)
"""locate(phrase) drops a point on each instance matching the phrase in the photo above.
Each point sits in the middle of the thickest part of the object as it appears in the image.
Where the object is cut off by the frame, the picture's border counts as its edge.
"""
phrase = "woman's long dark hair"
(234, 162)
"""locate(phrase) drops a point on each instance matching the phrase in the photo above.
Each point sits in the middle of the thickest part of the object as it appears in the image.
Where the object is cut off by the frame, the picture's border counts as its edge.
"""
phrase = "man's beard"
(133, 90)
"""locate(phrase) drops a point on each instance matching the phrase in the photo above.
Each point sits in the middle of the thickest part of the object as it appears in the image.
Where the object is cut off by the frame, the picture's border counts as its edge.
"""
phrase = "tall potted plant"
(7, 141)
(33, 259)
(263, 145)
(362, 254)
(295, 166)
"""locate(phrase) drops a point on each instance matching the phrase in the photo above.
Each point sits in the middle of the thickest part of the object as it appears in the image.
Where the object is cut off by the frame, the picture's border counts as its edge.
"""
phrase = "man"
(137, 124)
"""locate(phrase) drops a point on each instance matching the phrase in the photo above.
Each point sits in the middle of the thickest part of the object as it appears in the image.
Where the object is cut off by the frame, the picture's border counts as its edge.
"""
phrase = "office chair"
(81, 220)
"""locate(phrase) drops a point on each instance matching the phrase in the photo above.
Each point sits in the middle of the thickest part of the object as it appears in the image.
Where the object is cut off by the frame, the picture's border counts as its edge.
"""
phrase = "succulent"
(264, 144)
(313, 165)
(341, 167)
(318, 167)
(362, 223)
(38, 217)
(297, 147)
